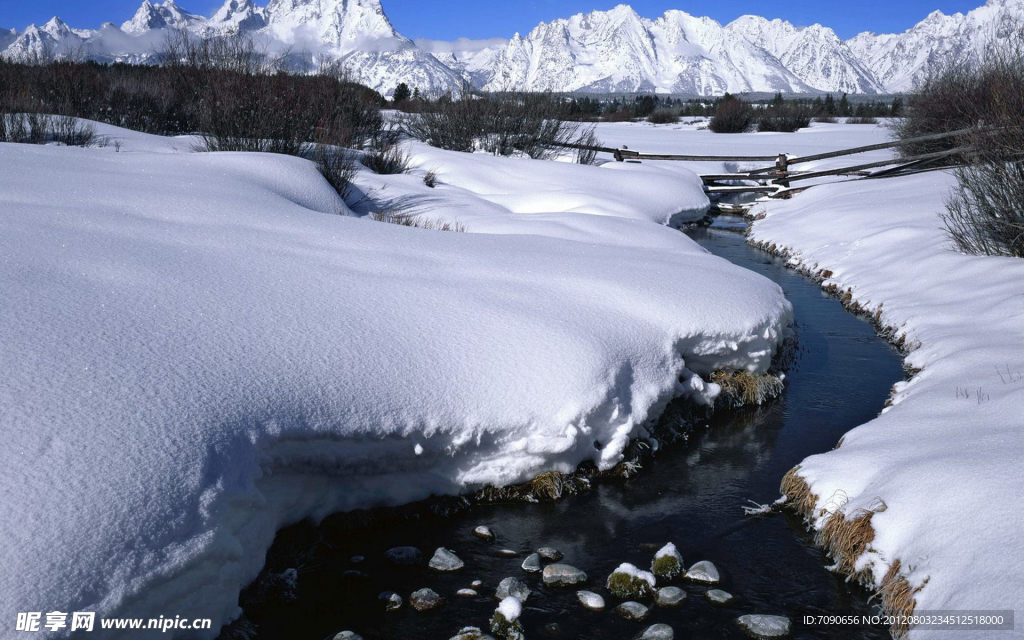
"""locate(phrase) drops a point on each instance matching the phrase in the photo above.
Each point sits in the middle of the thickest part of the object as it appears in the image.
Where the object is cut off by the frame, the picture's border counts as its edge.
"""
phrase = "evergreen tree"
(896, 109)
(844, 106)
(402, 93)
(830, 105)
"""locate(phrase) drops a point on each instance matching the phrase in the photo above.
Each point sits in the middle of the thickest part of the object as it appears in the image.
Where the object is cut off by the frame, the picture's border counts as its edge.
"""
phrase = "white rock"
(703, 571)
(476, 584)
(425, 599)
(513, 587)
(471, 633)
(764, 626)
(718, 596)
(446, 560)
(658, 632)
(507, 553)
(670, 597)
(347, 635)
(563, 575)
(392, 600)
(467, 593)
(549, 554)
(532, 563)
(590, 600)
(632, 610)
(484, 533)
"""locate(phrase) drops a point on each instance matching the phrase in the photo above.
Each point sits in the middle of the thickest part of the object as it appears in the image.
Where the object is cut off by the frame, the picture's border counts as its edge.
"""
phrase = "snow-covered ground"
(197, 349)
(941, 468)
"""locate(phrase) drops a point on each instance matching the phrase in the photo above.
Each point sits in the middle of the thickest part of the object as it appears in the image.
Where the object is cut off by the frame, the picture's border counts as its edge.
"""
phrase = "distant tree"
(416, 93)
(829, 107)
(896, 108)
(402, 93)
(844, 106)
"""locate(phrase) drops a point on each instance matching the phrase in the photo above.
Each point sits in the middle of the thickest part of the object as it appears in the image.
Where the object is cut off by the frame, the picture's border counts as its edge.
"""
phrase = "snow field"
(198, 350)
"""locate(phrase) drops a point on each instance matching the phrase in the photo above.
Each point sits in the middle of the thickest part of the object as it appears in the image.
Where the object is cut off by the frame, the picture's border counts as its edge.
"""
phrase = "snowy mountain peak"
(161, 15)
(238, 15)
(342, 24)
(615, 50)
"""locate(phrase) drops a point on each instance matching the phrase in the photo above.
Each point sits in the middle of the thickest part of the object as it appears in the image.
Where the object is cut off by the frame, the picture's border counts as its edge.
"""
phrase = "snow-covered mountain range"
(602, 51)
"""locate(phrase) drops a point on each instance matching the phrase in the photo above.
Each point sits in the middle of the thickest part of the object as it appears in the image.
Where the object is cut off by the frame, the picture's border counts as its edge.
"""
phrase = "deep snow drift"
(198, 350)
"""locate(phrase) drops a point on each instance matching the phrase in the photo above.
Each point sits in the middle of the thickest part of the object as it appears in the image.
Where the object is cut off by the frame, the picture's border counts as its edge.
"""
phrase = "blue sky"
(449, 19)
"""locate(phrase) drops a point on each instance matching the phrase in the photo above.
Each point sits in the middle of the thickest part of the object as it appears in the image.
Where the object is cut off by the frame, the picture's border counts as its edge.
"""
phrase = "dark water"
(691, 494)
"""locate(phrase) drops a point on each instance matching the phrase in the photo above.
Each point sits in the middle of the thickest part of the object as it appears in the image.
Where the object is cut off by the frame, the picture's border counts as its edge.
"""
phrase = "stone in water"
(590, 600)
(563, 575)
(670, 597)
(703, 571)
(632, 610)
(763, 626)
(446, 560)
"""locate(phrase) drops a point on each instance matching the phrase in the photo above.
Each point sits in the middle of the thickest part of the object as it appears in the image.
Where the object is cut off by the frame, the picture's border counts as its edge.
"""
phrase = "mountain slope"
(899, 61)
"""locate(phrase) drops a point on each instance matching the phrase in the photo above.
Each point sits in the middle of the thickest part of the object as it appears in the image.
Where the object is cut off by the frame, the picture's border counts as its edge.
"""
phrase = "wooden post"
(782, 167)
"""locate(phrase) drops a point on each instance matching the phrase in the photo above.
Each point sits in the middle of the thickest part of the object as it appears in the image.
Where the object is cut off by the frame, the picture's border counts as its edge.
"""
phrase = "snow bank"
(197, 351)
(941, 468)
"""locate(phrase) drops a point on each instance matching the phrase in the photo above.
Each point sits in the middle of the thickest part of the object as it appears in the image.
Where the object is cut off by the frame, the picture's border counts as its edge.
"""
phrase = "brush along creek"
(430, 570)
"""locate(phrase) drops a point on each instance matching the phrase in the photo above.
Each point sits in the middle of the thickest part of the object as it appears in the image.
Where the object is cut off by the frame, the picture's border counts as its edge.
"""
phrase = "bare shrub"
(782, 115)
(502, 124)
(337, 166)
(663, 116)
(586, 152)
(826, 119)
(966, 94)
(862, 120)
(732, 115)
(72, 132)
(984, 214)
(392, 159)
(430, 178)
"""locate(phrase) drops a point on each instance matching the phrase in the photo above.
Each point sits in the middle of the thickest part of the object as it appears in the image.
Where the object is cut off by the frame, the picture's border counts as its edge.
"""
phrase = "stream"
(691, 494)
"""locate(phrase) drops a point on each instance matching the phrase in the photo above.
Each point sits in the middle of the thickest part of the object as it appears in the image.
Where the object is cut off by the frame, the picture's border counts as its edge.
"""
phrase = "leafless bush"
(984, 215)
(390, 160)
(784, 116)
(41, 128)
(826, 119)
(862, 120)
(966, 94)
(732, 115)
(502, 124)
(587, 140)
(663, 116)
(72, 132)
(430, 178)
(337, 166)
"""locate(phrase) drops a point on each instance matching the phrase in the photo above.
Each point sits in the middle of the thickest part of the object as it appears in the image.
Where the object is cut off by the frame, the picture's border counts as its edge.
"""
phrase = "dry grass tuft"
(845, 539)
(742, 388)
(799, 496)
(898, 598)
(413, 220)
(546, 487)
